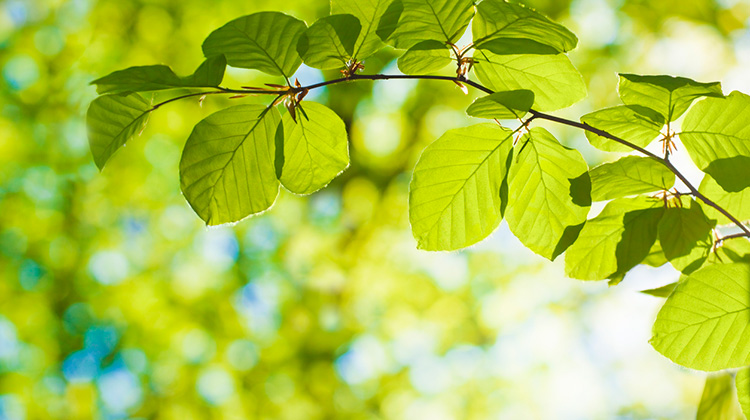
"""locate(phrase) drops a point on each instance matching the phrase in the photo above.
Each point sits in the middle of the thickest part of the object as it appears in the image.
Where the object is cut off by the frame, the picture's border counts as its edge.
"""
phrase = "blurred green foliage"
(116, 302)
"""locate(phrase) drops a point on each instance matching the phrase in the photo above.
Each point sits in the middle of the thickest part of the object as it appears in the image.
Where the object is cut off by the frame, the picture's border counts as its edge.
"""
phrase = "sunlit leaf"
(329, 42)
(425, 57)
(265, 41)
(227, 168)
(112, 120)
(616, 240)
(549, 194)
(635, 124)
(630, 175)
(716, 133)
(148, 78)
(456, 195)
(369, 13)
(512, 104)
(669, 96)
(315, 149)
(497, 19)
(655, 257)
(705, 323)
(685, 236)
(553, 79)
(662, 292)
(743, 390)
(719, 401)
(731, 250)
(736, 203)
(407, 22)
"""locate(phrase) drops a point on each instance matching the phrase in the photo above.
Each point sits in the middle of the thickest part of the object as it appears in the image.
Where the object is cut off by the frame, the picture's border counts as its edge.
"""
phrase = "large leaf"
(616, 240)
(329, 42)
(716, 133)
(425, 57)
(705, 323)
(369, 13)
(148, 78)
(407, 22)
(550, 194)
(553, 79)
(315, 149)
(498, 19)
(227, 168)
(458, 193)
(112, 120)
(718, 401)
(635, 124)
(669, 96)
(630, 175)
(685, 236)
(743, 390)
(513, 104)
(736, 203)
(265, 41)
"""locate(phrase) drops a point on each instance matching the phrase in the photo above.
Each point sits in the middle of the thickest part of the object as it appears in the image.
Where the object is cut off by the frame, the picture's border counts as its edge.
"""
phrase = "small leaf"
(716, 134)
(553, 79)
(315, 149)
(630, 175)
(407, 22)
(705, 323)
(718, 401)
(458, 193)
(369, 14)
(550, 194)
(635, 124)
(731, 250)
(736, 203)
(425, 57)
(667, 95)
(743, 390)
(616, 240)
(227, 168)
(662, 292)
(497, 19)
(685, 236)
(112, 120)
(655, 257)
(148, 78)
(512, 104)
(265, 41)
(329, 42)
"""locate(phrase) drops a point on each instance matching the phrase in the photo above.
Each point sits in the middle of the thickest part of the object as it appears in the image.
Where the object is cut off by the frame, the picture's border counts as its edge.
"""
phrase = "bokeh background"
(117, 302)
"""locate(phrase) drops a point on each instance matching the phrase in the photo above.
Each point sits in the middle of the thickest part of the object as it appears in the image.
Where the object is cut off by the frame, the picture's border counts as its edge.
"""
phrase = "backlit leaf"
(685, 236)
(329, 42)
(669, 96)
(736, 203)
(265, 41)
(550, 194)
(425, 57)
(630, 175)
(635, 124)
(512, 104)
(705, 323)
(227, 168)
(458, 192)
(112, 120)
(719, 401)
(662, 292)
(743, 390)
(369, 13)
(407, 22)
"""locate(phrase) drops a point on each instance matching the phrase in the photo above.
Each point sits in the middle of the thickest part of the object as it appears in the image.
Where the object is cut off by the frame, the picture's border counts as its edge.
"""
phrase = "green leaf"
(315, 149)
(329, 42)
(148, 78)
(227, 168)
(718, 401)
(716, 134)
(662, 292)
(743, 390)
(616, 240)
(458, 191)
(112, 120)
(498, 19)
(731, 250)
(655, 257)
(635, 124)
(553, 79)
(685, 236)
(669, 96)
(425, 57)
(630, 175)
(705, 323)
(407, 22)
(550, 194)
(736, 203)
(369, 13)
(512, 104)
(265, 41)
